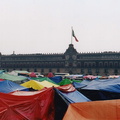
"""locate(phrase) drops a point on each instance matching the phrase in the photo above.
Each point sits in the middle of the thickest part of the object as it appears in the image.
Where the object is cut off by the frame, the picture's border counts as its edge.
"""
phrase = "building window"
(110, 64)
(89, 71)
(82, 71)
(116, 71)
(50, 70)
(100, 64)
(58, 70)
(106, 64)
(116, 64)
(106, 71)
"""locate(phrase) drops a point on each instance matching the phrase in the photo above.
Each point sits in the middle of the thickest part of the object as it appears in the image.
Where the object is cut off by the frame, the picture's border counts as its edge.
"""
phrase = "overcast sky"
(44, 26)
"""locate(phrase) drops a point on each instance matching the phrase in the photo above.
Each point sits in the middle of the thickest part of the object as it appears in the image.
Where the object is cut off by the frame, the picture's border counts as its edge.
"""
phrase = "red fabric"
(66, 88)
(50, 74)
(27, 93)
(32, 74)
(33, 107)
(1, 79)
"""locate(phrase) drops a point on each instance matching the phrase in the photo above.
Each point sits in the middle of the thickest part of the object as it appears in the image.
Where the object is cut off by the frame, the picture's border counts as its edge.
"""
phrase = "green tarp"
(40, 79)
(68, 81)
(12, 77)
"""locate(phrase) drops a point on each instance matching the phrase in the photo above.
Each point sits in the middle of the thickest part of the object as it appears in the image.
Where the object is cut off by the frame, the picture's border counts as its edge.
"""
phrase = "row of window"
(100, 64)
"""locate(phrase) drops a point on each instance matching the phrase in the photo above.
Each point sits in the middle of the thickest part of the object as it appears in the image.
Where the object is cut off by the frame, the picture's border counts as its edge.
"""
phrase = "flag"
(73, 34)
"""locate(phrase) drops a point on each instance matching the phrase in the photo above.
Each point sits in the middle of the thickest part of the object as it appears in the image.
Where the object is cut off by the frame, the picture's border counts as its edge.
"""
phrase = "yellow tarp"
(33, 84)
(48, 84)
(38, 85)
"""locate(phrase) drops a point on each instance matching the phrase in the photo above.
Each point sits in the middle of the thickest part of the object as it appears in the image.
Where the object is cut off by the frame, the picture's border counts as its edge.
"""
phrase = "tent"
(32, 74)
(40, 79)
(33, 84)
(65, 82)
(95, 110)
(38, 85)
(33, 107)
(72, 97)
(111, 85)
(50, 74)
(27, 93)
(19, 72)
(81, 84)
(12, 77)
(7, 86)
(56, 79)
(48, 84)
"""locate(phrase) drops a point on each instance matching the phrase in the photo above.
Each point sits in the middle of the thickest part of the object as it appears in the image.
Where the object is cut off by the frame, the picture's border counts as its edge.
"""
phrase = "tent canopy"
(33, 107)
(7, 86)
(12, 77)
(97, 110)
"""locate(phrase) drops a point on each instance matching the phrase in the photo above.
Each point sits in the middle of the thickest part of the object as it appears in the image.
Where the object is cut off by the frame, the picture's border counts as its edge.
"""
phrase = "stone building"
(104, 63)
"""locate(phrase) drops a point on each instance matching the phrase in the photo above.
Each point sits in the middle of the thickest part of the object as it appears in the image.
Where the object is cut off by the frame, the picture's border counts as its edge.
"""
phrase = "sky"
(44, 26)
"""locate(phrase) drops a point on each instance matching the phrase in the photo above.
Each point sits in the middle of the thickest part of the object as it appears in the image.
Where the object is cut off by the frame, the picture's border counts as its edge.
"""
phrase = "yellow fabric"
(33, 84)
(48, 84)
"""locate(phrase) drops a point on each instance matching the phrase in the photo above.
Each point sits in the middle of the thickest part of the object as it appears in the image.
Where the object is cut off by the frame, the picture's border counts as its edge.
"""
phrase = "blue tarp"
(7, 86)
(82, 84)
(73, 97)
(110, 85)
(78, 85)
(56, 79)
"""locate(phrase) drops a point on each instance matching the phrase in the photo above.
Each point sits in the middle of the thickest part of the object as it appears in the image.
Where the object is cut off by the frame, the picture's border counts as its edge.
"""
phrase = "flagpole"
(71, 35)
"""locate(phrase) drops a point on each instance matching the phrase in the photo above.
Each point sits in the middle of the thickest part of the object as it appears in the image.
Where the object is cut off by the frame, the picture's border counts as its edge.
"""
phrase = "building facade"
(104, 63)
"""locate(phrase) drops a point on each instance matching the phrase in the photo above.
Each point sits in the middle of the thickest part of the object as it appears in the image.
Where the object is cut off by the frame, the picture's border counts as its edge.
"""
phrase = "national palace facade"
(103, 63)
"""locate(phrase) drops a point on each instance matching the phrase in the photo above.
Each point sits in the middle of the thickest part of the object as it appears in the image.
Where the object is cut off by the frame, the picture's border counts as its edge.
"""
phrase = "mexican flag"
(73, 34)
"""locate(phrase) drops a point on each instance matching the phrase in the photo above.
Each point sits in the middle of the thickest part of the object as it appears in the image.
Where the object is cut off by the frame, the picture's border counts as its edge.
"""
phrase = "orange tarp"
(95, 110)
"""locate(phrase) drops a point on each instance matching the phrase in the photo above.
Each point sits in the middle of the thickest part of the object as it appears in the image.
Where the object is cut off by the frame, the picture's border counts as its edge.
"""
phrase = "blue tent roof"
(73, 97)
(82, 84)
(56, 79)
(111, 85)
(7, 86)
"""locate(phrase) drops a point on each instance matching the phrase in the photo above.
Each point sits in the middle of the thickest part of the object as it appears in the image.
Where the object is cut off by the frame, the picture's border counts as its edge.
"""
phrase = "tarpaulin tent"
(27, 93)
(81, 84)
(111, 85)
(66, 88)
(33, 84)
(60, 104)
(32, 74)
(19, 72)
(99, 94)
(96, 110)
(56, 79)
(33, 107)
(48, 84)
(50, 74)
(12, 77)
(38, 85)
(7, 86)
(40, 79)
(72, 97)
(65, 82)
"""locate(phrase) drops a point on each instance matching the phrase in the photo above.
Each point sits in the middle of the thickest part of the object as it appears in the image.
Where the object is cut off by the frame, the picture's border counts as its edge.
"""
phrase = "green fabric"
(21, 71)
(12, 77)
(40, 79)
(65, 82)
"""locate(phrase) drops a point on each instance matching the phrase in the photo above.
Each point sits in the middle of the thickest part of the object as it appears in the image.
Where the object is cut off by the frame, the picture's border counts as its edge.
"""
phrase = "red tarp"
(66, 88)
(97, 110)
(33, 107)
(32, 74)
